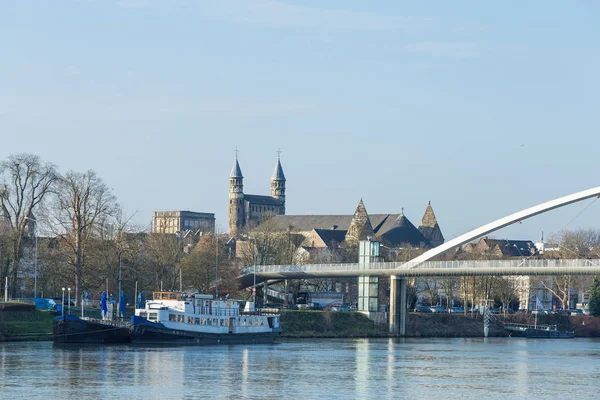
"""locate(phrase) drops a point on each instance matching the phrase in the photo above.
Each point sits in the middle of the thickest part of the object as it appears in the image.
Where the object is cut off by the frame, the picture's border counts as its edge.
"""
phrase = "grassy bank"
(310, 324)
(317, 324)
(307, 324)
(24, 322)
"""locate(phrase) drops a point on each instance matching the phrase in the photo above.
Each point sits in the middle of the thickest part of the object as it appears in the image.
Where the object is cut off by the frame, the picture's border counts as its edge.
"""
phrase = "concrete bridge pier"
(398, 305)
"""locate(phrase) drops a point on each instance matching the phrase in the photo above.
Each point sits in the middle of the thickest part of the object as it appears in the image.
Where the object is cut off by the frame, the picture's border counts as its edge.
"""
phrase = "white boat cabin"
(202, 313)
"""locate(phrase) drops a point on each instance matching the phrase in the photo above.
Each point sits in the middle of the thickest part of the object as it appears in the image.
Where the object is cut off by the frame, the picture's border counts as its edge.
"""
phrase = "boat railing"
(529, 326)
(115, 322)
(261, 311)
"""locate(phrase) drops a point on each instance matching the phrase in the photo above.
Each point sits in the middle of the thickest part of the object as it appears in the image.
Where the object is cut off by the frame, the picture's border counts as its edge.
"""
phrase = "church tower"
(360, 227)
(429, 227)
(278, 184)
(237, 217)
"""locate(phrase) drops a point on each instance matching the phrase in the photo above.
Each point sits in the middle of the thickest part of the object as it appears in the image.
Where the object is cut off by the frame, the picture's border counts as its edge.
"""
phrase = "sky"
(482, 108)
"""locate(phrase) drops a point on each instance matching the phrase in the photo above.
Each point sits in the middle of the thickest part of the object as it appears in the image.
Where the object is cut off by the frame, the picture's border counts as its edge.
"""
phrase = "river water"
(492, 368)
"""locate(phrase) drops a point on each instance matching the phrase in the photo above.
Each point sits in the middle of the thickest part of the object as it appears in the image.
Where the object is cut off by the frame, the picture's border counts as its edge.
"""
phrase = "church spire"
(278, 180)
(429, 227)
(278, 172)
(236, 171)
(360, 227)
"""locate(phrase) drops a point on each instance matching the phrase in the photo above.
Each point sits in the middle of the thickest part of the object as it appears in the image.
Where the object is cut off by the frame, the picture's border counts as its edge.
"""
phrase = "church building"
(246, 210)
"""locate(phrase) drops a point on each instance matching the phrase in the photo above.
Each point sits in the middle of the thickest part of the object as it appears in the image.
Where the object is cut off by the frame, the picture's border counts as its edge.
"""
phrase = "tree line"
(73, 225)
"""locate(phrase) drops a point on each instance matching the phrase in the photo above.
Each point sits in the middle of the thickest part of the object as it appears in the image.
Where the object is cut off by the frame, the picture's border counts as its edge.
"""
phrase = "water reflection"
(308, 369)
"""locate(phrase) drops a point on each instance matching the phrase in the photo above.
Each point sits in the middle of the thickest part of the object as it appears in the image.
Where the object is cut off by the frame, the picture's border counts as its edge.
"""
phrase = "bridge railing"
(456, 264)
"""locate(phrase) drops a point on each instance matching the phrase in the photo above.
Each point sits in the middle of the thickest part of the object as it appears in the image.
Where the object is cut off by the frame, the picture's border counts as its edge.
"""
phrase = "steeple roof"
(429, 217)
(360, 227)
(278, 172)
(236, 171)
(429, 227)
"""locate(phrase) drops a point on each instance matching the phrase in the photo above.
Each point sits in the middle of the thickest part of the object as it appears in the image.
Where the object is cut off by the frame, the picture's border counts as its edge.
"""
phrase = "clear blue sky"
(483, 108)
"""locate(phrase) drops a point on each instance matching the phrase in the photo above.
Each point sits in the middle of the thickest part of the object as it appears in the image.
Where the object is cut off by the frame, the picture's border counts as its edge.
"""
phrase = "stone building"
(392, 230)
(246, 210)
(180, 221)
(502, 247)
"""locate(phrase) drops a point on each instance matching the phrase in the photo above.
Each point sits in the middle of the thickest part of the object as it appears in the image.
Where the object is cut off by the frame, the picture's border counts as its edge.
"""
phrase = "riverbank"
(20, 322)
(317, 324)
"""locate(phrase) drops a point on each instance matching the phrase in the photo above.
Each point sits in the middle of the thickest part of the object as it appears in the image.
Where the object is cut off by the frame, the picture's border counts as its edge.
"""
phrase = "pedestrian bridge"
(525, 267)
(423, 266)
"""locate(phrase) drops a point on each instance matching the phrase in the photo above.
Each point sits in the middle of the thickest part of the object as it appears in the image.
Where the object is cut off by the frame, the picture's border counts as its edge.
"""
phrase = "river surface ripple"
(492, 368)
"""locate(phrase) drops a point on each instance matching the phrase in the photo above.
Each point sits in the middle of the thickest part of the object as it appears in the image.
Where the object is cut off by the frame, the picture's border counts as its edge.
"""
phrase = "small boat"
(73, 329)
(199, 319)
(537, 331)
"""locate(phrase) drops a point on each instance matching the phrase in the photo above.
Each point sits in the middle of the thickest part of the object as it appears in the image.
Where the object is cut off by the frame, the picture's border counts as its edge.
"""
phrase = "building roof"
(329, 236)
(402, 231)
(305, 223)
(278, 172)
(511, 248)
(236, 171)
(263, 200)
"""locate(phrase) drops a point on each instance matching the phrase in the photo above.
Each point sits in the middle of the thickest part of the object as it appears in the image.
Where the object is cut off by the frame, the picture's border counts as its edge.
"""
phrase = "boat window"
(172, 317)
(209, 322)
(152, 316)
(173, 296)
(244, 322)
(203, 321)
(197, 321)
(262, 322)
(164, 295)
(180, 318)
(223, 322)
(156, 296)
(190, 320)
(255, 321)
(144, 314)
(215, 322)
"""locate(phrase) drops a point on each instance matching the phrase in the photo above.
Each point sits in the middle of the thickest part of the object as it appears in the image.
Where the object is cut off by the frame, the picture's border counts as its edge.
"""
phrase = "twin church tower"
(246, 210)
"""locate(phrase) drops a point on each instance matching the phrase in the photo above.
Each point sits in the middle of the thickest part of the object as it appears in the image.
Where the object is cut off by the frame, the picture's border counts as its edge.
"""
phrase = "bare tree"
(200, 267)
(451, 285)
(506, 290)
(82, 202)
(163, 252)
(25, 181)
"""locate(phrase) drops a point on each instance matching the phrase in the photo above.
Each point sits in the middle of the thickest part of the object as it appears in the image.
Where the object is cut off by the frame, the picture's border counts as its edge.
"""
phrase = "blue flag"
(103, 305)
(140, 300)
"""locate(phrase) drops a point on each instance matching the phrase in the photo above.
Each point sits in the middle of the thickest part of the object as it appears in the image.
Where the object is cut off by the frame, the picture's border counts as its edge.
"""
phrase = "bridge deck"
(516, 267)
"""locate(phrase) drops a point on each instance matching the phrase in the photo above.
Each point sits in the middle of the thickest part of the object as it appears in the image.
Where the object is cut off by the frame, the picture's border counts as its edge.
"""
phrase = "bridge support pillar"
(398, 305)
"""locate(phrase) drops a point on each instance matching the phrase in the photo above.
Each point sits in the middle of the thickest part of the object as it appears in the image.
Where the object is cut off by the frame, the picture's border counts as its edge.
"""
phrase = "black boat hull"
(70, 329)
(156, 334)
(536, 333)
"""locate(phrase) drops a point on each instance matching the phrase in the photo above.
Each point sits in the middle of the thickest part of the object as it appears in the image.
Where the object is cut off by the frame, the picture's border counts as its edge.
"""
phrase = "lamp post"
(36, 256)
(69, 302)
(62, 306)
(216, 264)
(254, 274)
